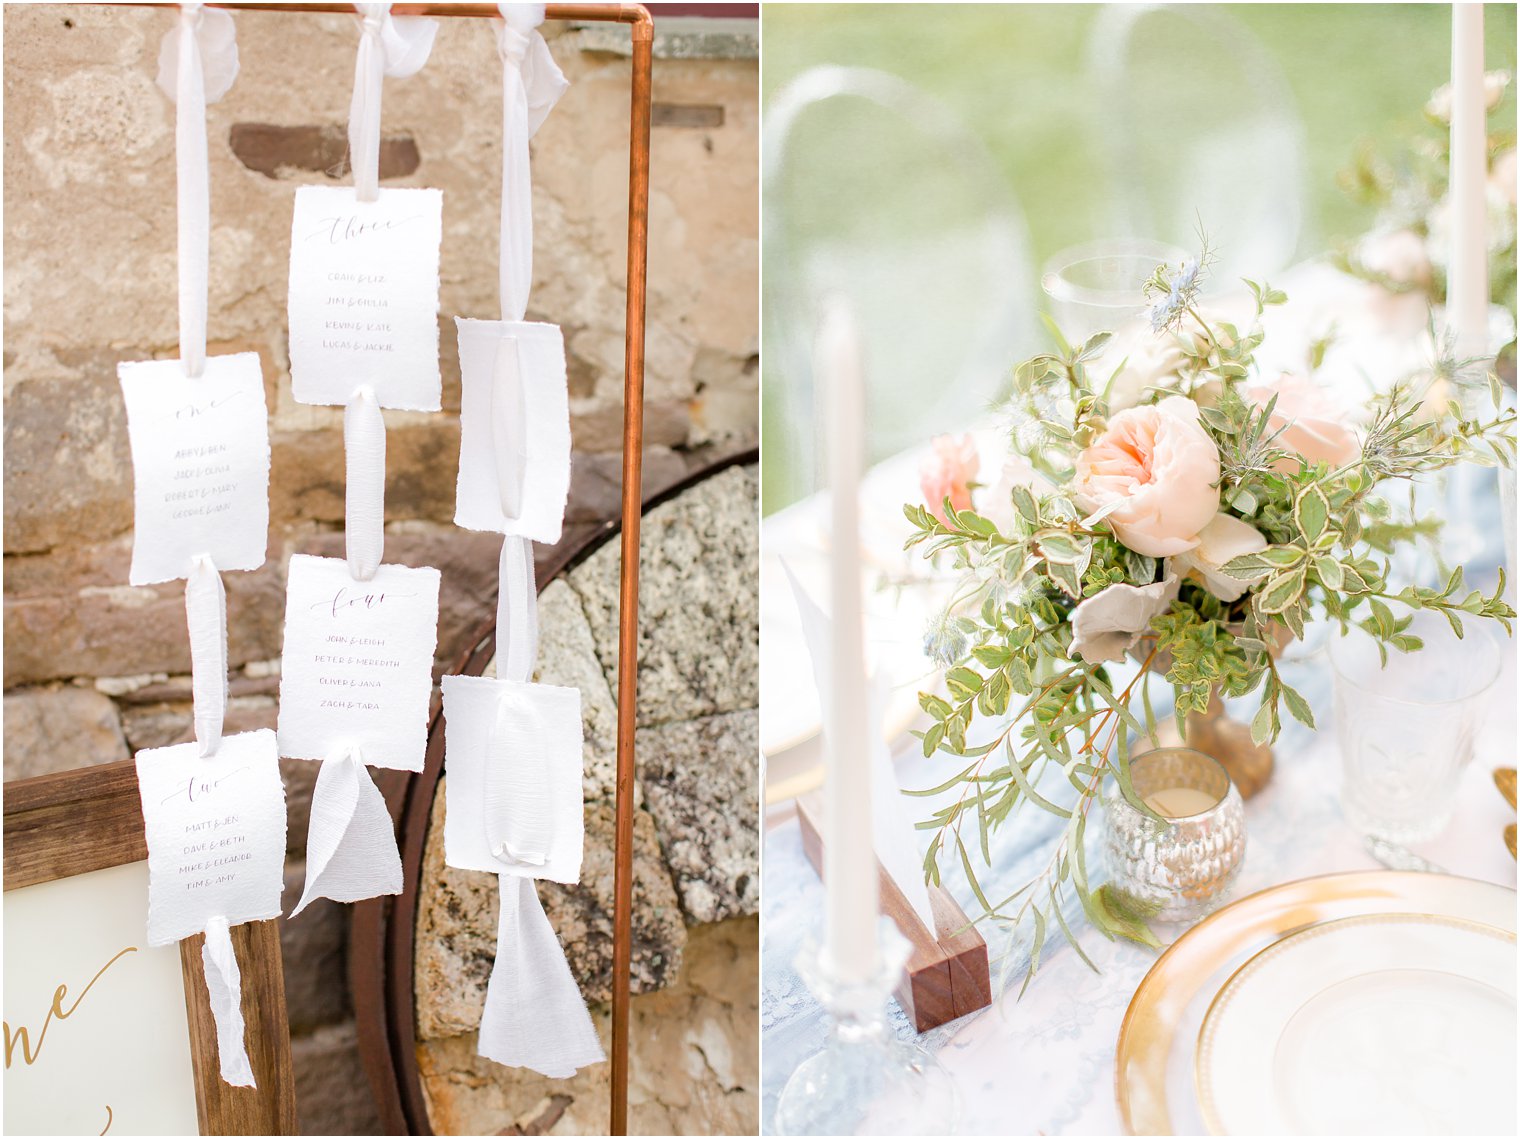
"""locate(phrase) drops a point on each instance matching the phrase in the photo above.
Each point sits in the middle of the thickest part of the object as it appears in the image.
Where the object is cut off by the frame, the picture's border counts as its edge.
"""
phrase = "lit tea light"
(1180, 802)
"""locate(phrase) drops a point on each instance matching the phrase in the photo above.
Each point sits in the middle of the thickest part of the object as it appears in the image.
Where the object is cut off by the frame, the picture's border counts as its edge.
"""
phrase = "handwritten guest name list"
(358, 661)
(216, 833)
(364, 296)
(200, 464)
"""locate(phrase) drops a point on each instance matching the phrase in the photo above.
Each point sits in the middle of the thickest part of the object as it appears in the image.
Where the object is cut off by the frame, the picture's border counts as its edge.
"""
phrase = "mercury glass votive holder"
(1179, 867)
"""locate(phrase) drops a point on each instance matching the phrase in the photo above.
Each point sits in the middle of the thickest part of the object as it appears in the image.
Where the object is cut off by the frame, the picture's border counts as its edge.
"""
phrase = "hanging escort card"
(216, 858)
(200, 465)
(356, 678)
(358, 662)
(512, 748)
(514, 428)
(213, 810)
(364, 296)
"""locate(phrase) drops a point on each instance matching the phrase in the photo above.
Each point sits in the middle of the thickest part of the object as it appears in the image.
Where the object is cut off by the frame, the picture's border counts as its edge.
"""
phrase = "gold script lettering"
(20, 1036)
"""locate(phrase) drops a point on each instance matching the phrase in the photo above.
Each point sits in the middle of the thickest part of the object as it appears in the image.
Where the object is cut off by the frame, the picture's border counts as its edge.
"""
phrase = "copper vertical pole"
(628, 584)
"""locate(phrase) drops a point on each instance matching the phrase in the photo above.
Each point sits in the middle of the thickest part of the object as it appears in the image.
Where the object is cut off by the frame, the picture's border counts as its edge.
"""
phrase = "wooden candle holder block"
(947, 974)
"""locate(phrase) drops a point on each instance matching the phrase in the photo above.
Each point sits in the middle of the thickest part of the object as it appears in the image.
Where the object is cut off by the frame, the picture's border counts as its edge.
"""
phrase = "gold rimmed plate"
(1383, 1024)
(1157, 1041)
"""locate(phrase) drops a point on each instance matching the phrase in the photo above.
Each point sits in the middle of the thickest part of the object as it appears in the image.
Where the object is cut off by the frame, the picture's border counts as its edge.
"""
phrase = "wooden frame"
(382, 941)
(73, 822)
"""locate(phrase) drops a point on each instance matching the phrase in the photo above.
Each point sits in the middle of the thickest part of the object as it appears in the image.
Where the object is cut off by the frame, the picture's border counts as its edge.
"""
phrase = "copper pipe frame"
(642, 24)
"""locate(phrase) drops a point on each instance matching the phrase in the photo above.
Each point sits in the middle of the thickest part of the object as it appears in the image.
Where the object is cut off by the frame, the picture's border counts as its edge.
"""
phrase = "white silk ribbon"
(206, 616)
(396, 46)
(351, 846)
(518, 803)
(197, 63)
(509, 426)
(224, 987)
(516, 611)
(534, 1014)
(364, 501)
(531, 83)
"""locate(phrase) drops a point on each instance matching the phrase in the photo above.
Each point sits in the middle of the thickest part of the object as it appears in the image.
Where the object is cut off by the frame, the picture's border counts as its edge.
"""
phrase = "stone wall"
(96, 669)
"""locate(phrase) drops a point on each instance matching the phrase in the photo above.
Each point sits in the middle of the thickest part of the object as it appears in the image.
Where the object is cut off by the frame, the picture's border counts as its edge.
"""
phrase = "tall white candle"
(850, 874)
(1467, 268)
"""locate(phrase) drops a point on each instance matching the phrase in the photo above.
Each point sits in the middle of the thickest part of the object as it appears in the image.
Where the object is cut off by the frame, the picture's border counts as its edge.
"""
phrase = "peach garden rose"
(1157, 469)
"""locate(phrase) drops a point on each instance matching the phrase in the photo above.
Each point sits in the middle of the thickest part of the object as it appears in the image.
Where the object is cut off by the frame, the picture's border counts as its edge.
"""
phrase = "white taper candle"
(1467, 267)
(851, 952)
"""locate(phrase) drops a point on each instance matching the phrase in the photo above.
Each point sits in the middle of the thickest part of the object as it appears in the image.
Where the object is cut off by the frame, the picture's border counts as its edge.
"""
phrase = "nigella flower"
(1178, 289)
(945, 641)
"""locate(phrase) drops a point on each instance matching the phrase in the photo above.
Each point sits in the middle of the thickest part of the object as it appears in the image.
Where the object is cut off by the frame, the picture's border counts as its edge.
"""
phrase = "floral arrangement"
(1405, 250)
(1181, 511)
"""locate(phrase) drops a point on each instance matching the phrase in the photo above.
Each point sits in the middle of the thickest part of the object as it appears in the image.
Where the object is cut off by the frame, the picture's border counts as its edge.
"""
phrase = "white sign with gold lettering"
(96, 1040)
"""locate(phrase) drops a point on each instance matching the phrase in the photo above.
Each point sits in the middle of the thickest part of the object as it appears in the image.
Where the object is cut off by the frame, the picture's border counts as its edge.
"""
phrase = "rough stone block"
(333, 1095)
(701, 783)
(68, 467)
(699, 620)
(57, 729)
(457, 912)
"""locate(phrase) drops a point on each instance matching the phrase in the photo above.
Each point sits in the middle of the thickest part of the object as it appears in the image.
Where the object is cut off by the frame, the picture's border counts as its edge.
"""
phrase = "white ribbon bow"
(397, 46)
(197, 63)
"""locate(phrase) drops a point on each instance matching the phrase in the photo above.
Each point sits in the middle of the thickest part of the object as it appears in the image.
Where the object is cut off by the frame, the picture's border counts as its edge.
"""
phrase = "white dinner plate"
(1383, 1024)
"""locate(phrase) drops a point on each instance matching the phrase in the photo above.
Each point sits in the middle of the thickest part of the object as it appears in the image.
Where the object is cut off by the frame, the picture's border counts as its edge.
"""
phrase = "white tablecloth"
(1046, 1064)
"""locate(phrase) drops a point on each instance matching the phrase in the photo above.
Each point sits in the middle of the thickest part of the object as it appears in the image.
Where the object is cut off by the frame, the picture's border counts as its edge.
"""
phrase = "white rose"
(1399, 255)
(1107, 624)
(1221, 540)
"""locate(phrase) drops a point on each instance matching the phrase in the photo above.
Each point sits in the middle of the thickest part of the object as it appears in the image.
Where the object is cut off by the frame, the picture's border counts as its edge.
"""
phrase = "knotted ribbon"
(395, 46)
(197, 63)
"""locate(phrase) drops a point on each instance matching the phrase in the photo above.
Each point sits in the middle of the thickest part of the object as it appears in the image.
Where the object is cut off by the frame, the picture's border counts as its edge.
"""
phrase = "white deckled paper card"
(364, 296)
(514, 422)
(358, 662)
(491, 727)
(200, 465)
(216, 834)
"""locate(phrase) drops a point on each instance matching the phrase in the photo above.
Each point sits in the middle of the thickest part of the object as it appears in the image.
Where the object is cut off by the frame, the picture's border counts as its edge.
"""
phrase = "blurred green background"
(1016, 76)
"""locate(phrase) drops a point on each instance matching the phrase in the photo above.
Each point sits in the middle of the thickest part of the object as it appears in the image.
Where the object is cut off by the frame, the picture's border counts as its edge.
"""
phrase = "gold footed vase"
(1213, 732)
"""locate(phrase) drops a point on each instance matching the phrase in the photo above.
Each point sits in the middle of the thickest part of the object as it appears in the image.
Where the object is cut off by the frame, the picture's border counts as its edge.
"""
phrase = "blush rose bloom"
(1314, 424)
(1157, 469)
(948, 473)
